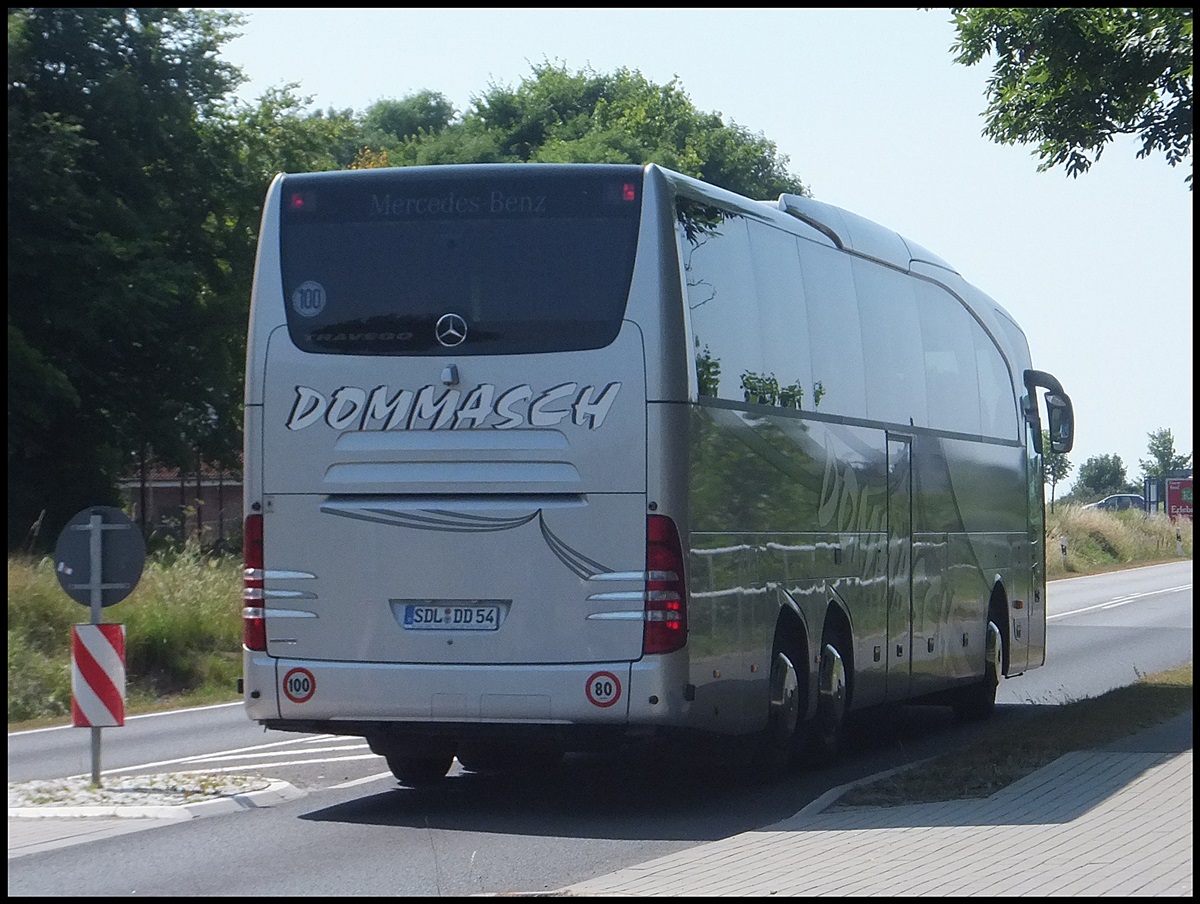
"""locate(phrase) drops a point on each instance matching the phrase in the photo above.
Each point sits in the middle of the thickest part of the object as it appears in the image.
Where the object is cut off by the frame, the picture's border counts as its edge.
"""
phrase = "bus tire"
(418, 771)
(978, 701)
(784, 738)
(833, 700)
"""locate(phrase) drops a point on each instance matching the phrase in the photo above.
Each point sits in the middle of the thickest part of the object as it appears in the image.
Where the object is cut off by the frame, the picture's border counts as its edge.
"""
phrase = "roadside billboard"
(1179, 497)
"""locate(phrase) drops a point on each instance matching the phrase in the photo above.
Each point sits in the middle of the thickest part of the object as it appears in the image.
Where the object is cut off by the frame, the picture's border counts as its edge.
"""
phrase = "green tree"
(110, 243)
(1069, 79)
(1055, 466)
(246, 145)
(1163, 457)
(388, 122)
(135, 194)
(560, 116)
(1099, 476)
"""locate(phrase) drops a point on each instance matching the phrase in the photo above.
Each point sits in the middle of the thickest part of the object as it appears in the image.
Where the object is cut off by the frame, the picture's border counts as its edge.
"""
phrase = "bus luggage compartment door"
(467, 580)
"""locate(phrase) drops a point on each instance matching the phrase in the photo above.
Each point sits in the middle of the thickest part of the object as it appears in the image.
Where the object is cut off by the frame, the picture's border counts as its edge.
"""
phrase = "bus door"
(1024, 647)
(1028, 643)
(899, 546)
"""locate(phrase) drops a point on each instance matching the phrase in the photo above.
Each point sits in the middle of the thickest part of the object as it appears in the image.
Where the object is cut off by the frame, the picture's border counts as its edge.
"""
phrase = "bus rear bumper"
(649, 692)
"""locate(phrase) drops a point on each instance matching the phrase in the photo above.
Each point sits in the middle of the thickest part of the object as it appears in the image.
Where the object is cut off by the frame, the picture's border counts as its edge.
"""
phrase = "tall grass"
(182, 634)
(1097, 540)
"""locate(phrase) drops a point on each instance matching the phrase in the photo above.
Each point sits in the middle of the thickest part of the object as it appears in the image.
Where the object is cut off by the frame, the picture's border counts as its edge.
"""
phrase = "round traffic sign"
(122, 553)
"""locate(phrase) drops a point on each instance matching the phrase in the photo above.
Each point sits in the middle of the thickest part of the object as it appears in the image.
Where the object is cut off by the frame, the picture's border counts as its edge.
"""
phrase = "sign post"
(98, 561)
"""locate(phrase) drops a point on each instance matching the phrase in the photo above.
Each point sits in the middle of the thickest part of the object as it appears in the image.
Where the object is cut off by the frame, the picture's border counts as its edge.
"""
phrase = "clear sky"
(874, 116)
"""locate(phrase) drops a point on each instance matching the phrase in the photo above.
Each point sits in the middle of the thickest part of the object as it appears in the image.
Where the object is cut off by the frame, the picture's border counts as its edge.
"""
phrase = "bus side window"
(950, 369)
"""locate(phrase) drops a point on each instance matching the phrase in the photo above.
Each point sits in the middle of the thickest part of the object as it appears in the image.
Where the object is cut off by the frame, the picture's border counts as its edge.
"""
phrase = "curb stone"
(276, 792)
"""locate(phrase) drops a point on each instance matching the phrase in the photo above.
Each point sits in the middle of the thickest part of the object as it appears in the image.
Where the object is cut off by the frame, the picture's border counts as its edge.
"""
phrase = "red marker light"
(629, 192)
(297, 201)
(254, 622)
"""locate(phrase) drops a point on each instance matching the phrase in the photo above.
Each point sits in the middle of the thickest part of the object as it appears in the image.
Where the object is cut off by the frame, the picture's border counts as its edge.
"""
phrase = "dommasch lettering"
(382, 408)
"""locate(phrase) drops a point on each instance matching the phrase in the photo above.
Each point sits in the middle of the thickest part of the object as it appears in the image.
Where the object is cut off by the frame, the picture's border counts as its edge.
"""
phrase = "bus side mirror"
(1062, 422)
(1059, 412)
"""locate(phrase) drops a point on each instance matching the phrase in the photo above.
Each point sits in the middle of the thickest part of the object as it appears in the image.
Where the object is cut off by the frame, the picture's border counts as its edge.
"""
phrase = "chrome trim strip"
(288, 613)
(616, 616)
(618, 576)
(288, 595)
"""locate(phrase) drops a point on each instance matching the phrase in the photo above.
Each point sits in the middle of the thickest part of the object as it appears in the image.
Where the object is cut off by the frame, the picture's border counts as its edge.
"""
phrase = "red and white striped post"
(97, 676)
(98, 573)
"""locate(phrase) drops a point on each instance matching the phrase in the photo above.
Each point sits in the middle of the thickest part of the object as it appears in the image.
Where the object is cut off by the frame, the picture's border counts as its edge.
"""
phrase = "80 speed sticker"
(603, 689)
(299, 685)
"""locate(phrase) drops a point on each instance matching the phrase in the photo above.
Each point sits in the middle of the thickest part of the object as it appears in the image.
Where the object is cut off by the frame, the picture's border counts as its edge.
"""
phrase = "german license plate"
(458, 617)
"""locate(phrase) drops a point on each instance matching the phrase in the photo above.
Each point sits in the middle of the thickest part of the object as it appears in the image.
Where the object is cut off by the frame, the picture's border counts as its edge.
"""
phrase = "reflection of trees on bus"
(708, 371)
(698, 222)
(699, 219)
(764, 389)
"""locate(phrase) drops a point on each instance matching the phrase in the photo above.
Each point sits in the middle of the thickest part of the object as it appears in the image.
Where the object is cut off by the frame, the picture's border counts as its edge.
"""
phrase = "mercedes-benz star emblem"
(451, 330)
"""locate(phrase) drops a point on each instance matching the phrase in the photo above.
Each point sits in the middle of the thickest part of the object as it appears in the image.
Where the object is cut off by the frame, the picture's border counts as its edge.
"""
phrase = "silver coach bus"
(543, 458)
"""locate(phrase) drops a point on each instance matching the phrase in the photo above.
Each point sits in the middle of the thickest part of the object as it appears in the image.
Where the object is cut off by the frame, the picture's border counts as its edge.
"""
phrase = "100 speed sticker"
(299, 685)
(603, 689)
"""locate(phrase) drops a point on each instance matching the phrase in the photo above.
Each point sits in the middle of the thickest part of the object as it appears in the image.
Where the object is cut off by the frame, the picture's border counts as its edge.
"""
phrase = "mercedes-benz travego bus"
(547, 458)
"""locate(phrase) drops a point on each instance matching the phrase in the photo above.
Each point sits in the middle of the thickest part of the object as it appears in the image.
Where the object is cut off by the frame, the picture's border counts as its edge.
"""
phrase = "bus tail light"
(666, 590)
(254, 627)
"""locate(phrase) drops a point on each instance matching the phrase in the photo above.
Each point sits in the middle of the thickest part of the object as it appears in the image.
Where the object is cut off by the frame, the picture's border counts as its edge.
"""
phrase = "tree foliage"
(1070, 79)
(1163, 457)
(1099, 476)
(561, 116)
(135, 192)
(111, 244)
(390, 121)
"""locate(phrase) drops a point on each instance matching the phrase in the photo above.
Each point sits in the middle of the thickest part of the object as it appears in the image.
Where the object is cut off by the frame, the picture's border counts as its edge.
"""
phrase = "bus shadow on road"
(697, 793)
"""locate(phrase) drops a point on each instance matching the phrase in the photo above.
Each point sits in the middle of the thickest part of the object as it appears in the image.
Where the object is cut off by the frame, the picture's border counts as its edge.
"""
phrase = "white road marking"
(241, 767)
(1118, 601)
(362, 781)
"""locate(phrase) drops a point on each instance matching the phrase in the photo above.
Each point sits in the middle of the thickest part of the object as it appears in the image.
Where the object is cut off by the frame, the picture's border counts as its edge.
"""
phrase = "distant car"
(1120, 502)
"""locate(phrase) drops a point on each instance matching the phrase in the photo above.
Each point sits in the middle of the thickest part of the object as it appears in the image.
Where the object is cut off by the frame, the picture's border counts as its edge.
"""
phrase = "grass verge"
(1100, 541)
(1001, 756)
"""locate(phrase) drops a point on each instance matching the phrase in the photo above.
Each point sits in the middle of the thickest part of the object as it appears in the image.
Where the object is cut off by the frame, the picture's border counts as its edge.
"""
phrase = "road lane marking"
(264, 755)
(362, 781)
(236, 751)
(1118, 601)
(241, 767)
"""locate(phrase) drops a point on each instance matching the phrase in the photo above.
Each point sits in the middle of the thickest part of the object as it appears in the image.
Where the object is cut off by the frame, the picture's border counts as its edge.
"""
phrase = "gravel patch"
(171, 789)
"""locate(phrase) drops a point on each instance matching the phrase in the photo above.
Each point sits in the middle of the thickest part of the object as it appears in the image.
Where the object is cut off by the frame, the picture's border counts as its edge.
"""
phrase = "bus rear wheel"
(979, 700)
(417, 771)
(784, 738)
(833, 701)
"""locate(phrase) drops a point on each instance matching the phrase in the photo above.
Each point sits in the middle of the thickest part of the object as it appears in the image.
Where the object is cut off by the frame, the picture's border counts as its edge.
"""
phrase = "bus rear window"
(458, 260)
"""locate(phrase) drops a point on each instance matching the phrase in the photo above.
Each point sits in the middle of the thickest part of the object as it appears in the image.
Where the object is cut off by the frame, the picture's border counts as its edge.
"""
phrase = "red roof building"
(184, 505)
